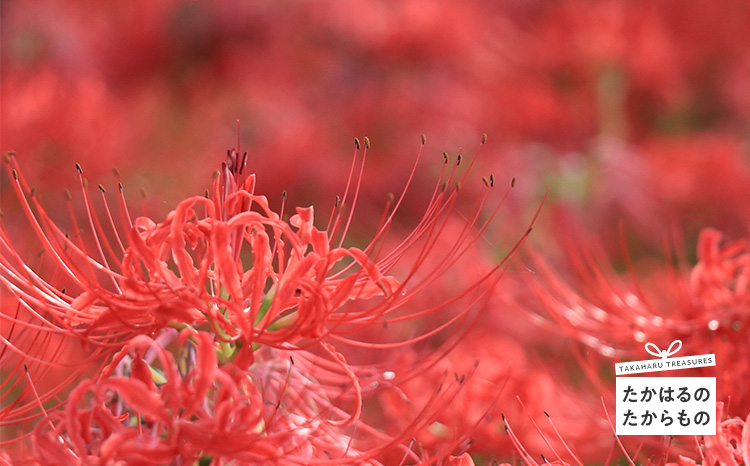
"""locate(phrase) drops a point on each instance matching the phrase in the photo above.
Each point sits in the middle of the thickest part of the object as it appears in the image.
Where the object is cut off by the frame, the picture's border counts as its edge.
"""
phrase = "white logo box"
(666, 406)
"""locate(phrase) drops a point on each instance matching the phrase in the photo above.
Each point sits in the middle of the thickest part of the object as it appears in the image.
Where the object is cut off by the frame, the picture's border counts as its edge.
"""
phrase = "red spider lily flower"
(705, 307)
(190, 267)
(248, 280)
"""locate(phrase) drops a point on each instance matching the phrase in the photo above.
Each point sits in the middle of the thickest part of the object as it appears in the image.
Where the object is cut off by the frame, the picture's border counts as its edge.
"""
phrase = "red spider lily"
(229, 265)
(190, 268)
(705, 307)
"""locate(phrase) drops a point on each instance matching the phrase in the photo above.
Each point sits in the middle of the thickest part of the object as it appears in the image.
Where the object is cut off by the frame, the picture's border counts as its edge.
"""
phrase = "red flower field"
(200, 264)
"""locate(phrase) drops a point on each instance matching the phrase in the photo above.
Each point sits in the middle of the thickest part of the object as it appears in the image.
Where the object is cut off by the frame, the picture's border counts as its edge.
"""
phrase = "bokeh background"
(634, 114)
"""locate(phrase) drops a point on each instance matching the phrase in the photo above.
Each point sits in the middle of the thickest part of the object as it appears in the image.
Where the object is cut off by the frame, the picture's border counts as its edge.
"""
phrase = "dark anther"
(244, 159)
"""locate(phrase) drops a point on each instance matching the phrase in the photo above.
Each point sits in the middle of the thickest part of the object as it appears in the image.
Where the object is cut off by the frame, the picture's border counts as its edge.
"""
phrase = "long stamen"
(335, 215)
(560, 437)
(37, 227)
(536, 426)
(356, 191)
(125, 213)
(38, 400)
(111, 221)
(408, 450)
(619, 443)
(89, 206)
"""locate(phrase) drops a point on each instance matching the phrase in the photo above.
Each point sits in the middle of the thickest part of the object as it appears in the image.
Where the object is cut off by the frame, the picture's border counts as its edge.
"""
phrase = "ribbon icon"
(663, 353)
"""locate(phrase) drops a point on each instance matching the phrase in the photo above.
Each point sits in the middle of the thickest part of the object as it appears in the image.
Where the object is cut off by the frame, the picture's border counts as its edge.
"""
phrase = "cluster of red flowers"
(228, 327)
(610, 319)
(616, 103)
(217, 334)
(213, 335)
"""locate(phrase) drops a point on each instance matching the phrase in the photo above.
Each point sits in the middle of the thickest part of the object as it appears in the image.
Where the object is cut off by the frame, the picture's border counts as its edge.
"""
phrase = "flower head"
(265, 308)
(706, 307)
